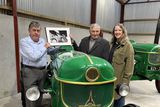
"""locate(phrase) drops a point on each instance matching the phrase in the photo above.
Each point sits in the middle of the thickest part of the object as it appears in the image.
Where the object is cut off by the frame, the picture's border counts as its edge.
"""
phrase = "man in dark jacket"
(94, 44)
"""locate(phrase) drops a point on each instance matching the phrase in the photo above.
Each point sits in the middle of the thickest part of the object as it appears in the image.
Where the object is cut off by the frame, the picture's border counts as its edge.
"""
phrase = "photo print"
(58, 36)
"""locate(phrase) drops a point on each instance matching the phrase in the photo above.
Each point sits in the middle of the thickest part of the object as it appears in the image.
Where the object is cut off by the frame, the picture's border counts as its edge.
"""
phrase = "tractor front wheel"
(157, 83)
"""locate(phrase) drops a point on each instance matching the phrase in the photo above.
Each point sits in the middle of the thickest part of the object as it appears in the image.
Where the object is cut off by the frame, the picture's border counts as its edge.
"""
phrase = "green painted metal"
(81, 95)
(147, 61)
(69, 85)
(73, 68)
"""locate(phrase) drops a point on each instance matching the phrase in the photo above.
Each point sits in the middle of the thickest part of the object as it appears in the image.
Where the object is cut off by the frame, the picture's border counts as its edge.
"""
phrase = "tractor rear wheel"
(131, 105)
(157, 83)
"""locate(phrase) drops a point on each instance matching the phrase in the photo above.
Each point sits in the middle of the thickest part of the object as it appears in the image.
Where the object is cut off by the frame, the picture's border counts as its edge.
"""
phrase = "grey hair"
(95, 25)
(34, 24)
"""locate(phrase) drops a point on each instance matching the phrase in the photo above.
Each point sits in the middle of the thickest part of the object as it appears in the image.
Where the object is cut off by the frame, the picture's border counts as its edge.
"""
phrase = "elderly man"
(94, 44)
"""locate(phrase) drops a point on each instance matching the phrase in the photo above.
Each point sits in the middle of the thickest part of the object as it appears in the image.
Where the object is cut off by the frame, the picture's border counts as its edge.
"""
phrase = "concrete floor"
(15, 101)
(143, 93)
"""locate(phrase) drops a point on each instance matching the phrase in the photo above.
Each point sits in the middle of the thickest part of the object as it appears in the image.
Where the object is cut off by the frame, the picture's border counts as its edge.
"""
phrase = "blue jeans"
(120, 102)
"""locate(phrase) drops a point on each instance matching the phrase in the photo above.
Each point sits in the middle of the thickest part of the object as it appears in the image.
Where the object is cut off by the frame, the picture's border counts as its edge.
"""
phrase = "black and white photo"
(58, 36)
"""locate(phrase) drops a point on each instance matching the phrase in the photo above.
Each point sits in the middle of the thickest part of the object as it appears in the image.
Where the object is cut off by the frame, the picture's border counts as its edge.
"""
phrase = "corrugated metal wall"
(148, 11)
(131, 1)
(3, 2)
(77, 11)
(108, 13)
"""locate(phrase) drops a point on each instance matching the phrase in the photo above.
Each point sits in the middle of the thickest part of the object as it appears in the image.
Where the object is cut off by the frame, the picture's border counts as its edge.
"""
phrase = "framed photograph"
(58, 36)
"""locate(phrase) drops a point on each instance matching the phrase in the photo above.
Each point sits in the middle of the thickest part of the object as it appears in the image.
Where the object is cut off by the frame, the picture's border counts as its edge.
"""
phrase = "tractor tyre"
(131, 105)
(157, 83)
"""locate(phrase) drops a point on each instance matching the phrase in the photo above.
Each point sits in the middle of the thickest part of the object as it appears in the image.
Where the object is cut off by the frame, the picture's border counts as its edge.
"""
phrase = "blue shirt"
(33, 53)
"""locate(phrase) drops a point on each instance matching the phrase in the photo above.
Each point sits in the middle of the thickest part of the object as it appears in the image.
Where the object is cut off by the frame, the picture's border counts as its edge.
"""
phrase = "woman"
(122, 59)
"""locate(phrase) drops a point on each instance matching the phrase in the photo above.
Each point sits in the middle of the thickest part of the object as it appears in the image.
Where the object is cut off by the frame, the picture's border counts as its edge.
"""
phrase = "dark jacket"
(99, 49)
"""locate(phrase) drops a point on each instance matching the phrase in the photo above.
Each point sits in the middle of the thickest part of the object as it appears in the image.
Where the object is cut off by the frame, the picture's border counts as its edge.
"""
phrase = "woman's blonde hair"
(124, 30)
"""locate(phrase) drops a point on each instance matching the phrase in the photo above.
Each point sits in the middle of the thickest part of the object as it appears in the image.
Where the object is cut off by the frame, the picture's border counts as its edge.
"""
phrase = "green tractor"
(147, 62)
(147, 59)
(76, 79)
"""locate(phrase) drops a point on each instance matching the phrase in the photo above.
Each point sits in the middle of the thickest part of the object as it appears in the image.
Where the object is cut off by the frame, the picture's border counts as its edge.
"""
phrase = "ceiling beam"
(93, 11)
(148, 1)
(122, 13)
(157, 34)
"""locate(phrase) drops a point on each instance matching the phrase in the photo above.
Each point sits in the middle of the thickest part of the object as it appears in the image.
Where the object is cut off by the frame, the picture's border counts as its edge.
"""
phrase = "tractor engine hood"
(75, 67)
(140, 47)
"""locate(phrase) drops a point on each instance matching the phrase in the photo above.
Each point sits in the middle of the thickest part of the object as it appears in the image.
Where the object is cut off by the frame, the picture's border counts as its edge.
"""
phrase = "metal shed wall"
(143, 17)
(3, 2)
(76, 11)
(108, 13)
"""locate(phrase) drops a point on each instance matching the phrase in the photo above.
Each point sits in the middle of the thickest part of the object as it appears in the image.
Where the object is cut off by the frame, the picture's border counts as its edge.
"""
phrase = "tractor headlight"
(33, 93)
(154, 58)
(122, 89)
(92, 74)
